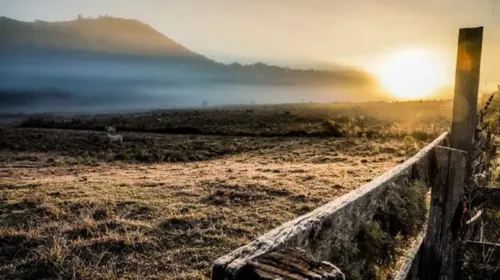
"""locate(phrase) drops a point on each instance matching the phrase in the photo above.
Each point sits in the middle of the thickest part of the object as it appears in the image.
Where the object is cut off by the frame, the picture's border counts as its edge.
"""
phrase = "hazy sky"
(356, 32)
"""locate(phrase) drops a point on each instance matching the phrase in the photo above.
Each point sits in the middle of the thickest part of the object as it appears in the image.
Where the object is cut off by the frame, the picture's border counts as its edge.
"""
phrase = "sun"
(411, 74)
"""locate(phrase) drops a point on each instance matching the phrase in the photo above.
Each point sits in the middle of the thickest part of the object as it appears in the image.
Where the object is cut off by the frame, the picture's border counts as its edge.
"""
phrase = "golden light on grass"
(411, 74)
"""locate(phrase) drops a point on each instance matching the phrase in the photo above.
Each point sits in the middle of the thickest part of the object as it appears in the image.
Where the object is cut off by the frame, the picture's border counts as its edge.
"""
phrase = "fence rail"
(318, 232)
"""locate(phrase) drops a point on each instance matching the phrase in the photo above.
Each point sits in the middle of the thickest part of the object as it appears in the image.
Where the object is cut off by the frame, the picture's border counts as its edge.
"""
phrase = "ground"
(185, 187)
(102, 219)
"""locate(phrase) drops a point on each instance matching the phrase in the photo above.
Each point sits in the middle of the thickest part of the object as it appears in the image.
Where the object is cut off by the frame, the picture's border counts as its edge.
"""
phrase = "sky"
(362, 33)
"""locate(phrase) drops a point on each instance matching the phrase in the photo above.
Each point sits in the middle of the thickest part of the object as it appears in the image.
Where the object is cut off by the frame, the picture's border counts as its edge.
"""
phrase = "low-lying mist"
(33, 82)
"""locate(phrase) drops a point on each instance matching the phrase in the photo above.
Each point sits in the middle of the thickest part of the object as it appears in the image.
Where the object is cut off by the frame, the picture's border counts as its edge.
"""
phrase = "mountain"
(104, 34)
(76, 62)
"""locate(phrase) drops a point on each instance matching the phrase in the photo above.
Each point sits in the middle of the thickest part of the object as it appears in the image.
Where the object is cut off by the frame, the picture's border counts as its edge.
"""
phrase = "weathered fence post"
(466, 88)
(441, 239)
(439, 254)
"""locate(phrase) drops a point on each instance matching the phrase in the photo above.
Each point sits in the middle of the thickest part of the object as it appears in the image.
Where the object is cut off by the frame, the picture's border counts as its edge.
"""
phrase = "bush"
(406, 210)
(421, 135)
(410, 145)
(333, 128)
(157, 156)
(373, 250)
(122, 156)
(376, 244)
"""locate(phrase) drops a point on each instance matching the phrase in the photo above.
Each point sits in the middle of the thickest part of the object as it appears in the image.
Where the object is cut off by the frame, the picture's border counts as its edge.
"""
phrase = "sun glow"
(411, 74)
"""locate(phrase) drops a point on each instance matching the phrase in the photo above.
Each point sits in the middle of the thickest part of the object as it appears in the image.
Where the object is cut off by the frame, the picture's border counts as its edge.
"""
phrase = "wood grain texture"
(468, 66)
(290, 264)
(441, 241)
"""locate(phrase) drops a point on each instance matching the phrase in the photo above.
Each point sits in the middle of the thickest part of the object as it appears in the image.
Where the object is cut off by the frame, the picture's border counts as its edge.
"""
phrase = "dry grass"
(166, 206)
(90, 147)
(61, 218)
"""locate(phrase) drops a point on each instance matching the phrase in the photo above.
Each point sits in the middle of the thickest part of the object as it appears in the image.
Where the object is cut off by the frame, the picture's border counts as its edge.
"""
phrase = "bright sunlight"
(411, 74)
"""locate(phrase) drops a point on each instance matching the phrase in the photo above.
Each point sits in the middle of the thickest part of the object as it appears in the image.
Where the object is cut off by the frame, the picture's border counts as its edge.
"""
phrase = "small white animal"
(115, 138)
(110, 129)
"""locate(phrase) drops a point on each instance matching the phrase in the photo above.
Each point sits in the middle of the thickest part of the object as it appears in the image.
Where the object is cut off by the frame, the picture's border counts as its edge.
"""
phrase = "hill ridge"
(105, 34)
(125, 40)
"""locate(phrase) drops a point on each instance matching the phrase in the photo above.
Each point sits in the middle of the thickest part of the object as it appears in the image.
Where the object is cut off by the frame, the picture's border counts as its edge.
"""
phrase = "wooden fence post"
(466, 88)
(441, 239)
(454, 166)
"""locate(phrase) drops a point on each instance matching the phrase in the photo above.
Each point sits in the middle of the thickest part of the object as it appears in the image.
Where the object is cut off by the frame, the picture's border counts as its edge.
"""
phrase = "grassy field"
(422, 120)
(165, 206)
